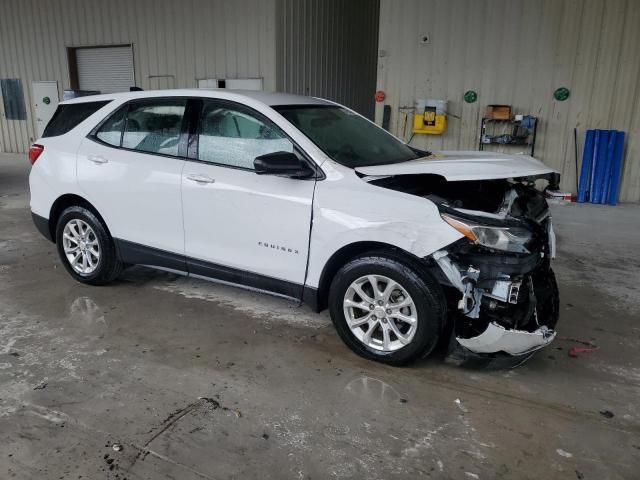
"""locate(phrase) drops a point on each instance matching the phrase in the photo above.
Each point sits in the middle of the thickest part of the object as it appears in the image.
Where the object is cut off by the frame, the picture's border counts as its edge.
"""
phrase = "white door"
(236, 221)
(133, 178)
(45, 102)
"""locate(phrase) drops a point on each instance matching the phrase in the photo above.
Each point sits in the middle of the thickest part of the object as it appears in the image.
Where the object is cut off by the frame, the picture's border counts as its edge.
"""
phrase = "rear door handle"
(97, 159)
(197, 177)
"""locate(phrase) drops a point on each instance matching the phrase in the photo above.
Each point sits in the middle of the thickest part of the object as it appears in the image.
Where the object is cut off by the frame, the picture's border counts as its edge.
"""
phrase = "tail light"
(34, 152)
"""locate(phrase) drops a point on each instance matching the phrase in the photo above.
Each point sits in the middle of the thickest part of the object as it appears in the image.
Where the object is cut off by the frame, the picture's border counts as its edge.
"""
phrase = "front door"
(130, 170)
(239, 226)
(45, 102)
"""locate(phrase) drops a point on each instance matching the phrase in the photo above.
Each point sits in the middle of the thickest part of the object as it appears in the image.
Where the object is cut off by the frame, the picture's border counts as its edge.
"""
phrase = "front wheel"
(386, 310)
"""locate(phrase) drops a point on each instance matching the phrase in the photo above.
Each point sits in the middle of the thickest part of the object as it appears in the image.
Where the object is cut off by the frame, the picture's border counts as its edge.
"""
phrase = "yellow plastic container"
(430, 117)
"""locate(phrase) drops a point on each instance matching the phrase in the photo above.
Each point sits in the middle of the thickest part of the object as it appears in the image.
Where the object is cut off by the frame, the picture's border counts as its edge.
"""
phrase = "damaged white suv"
(306, 199)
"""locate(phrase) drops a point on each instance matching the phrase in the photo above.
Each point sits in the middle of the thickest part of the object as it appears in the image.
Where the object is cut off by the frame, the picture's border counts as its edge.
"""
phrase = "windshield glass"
(346, 137)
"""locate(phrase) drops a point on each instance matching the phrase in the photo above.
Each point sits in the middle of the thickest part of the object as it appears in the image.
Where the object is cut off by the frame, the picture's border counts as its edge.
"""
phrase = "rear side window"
(154, 126)
(67, 117)
(111, 130)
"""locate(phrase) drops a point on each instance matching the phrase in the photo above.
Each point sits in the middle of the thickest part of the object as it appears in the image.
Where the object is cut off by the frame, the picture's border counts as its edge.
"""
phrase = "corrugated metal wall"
(518, 52)
(174, 43)
(327, 48)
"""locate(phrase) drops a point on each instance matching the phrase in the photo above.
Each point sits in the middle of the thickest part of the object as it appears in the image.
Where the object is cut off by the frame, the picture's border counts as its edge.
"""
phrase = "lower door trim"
(241, 277)
(137, 254)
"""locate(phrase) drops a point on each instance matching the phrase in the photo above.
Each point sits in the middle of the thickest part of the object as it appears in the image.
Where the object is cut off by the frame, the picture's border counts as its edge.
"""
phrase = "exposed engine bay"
(501, 290)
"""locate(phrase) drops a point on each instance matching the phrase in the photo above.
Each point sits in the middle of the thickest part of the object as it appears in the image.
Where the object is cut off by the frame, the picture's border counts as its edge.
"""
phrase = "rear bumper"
(42, 225)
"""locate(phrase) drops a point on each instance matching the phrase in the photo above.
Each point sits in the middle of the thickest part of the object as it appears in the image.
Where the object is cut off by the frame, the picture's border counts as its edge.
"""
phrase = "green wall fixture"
(561, 94)
(470, 96)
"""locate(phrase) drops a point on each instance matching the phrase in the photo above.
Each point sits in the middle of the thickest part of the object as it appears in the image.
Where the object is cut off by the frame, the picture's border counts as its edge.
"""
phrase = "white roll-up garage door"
(107, 69)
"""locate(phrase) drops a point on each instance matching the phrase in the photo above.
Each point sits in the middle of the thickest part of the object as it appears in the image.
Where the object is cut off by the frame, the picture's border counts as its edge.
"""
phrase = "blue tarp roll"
(594, 162)
(616, 168)
(587, 159)
(603, 191)
(599, 166)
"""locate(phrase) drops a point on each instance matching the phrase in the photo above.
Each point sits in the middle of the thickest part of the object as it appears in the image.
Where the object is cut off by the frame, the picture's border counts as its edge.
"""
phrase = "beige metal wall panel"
(518, 52)
(174, 43)
(327, 48)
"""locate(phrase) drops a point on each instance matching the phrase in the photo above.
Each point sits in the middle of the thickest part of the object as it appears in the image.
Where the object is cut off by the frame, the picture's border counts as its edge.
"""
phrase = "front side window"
(234, 136)
(154, 126)
(345, 136)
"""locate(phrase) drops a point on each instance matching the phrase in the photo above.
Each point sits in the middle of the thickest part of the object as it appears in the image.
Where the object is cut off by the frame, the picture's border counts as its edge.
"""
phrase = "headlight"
(509, 239)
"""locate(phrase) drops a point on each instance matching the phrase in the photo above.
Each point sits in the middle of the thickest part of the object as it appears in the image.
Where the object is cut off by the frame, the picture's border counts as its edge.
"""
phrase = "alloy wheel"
(380, 313)
(81, 246)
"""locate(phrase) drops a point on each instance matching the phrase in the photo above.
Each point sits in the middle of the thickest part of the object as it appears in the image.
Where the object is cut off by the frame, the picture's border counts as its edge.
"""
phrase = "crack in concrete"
(166, 424)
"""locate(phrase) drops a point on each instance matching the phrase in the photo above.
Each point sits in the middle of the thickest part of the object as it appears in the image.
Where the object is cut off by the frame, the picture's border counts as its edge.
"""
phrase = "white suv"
(304, 198)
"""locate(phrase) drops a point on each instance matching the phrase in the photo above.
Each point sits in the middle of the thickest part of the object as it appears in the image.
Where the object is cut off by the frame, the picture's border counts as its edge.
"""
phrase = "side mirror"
(282, 163)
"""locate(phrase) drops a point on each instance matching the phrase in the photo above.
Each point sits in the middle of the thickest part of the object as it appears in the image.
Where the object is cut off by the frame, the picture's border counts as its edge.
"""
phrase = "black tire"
(425, 291)
(109, 266)
(548, 296)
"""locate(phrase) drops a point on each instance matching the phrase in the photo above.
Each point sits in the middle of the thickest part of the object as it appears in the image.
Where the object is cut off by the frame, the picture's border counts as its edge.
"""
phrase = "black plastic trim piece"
(137, 254)
(310, 297)
(42, 225)
(242, 277)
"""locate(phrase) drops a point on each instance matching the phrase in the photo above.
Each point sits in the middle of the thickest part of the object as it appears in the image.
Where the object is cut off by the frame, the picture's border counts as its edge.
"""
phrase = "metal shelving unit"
(520, 135)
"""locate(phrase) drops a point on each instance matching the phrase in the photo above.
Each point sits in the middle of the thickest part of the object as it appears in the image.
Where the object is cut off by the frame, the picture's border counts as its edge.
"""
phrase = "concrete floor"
(215, 382)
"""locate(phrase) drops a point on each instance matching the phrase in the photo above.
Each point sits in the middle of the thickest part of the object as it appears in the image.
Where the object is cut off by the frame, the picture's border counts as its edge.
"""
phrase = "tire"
(548, 297)
(429, 309)
(105, 267)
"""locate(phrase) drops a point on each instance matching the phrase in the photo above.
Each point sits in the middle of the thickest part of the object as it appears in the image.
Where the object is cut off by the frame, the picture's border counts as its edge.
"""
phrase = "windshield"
(346, 137)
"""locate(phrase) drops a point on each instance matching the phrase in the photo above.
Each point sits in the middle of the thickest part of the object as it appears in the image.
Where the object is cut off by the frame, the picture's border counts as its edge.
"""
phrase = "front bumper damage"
(506, 306)
(496, 338)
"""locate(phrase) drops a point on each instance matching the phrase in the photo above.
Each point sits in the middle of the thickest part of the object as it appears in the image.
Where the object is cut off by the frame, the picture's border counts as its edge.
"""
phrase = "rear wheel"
(386, 310)
(85, 247)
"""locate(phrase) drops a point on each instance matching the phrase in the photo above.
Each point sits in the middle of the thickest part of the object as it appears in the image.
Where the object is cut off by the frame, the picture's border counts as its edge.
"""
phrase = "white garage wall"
(518, 52)
(327, 48)
(174, 43)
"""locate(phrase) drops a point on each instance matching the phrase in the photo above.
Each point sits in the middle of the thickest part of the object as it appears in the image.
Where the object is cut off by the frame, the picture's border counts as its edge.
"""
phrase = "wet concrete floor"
(195, 380)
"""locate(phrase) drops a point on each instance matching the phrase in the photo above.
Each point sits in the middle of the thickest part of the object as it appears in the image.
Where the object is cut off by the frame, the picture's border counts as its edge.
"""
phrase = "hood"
(458, 166)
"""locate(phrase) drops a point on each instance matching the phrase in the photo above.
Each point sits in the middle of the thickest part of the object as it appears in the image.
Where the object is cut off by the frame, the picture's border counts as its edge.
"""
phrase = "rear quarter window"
(67, 117)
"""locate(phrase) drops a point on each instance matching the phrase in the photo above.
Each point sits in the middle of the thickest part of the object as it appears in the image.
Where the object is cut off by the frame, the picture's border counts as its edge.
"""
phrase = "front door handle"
(198, 177)
(97, 159)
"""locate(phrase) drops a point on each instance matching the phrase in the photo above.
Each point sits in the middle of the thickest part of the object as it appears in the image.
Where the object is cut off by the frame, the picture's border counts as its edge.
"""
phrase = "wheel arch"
(358, 249)
(70, 200)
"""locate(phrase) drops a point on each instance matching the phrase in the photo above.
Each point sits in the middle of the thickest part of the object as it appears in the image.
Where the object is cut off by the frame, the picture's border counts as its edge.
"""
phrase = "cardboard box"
(499, 112)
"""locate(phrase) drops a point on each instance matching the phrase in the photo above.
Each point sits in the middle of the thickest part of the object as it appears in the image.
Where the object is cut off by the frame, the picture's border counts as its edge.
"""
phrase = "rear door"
(130, 169)
(239, 226)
